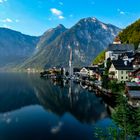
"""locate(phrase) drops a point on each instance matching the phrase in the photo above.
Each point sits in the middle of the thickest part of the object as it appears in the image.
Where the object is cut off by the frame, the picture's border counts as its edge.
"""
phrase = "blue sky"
(34, 17)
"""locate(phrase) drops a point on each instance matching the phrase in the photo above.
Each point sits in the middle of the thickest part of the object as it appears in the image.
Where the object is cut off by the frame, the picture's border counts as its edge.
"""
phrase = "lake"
(32, 108)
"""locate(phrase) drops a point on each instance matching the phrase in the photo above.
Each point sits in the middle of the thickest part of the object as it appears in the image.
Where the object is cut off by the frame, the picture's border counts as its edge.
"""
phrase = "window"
(126, 77)
(122, 77)
(121, 72)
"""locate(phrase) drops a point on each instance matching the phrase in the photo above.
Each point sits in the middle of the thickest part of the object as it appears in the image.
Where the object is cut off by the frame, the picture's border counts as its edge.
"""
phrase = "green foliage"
(131, 34)
(127, 120)
(108, 64)
(105, 80)
(112, 133)
(116, 87)
(100, 58)
(126, 117)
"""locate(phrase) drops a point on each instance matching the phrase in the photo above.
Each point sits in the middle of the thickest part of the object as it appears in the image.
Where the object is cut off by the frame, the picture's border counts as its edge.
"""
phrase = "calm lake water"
(32, 108)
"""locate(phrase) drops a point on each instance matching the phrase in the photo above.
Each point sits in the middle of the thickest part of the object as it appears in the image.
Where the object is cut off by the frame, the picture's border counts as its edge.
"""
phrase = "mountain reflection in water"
(32, 108)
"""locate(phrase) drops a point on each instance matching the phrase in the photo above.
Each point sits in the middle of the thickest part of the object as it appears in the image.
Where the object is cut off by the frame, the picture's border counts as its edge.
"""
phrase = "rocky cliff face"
(15, 47)
(87, 38)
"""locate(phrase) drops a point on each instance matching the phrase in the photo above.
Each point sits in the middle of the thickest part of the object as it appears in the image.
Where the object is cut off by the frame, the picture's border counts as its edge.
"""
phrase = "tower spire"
(70, 63)
(117, 40)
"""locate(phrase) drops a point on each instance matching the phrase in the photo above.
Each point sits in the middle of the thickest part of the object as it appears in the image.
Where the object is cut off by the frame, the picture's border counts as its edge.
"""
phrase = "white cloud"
(61, 17)
(7, 20)
(57, 13)
(122, 13)
(1, 1)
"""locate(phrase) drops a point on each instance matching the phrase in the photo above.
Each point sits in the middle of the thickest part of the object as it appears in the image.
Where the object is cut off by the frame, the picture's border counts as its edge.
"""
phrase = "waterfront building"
(120, 70)
(117, 50)
(133, 93)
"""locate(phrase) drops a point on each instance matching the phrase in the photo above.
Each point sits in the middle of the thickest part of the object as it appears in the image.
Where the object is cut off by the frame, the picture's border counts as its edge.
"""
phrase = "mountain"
(131, 34)
(15, 47)
(50, 36)
(46, 39)
(87, 38)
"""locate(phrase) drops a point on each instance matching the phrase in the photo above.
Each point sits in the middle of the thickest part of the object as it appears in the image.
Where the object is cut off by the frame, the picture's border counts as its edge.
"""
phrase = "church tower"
(70, 64)
(117, 40)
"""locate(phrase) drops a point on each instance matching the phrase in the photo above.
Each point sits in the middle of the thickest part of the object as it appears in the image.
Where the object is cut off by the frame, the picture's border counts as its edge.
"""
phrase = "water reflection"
(38, 109)
(15, 92)
(85, 106)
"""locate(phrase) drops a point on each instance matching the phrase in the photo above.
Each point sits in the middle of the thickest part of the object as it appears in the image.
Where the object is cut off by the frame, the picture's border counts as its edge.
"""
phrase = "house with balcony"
(117, 50)
(135, 76)
(91, 72)
(133, 92)
(136, 61)
(120, 70)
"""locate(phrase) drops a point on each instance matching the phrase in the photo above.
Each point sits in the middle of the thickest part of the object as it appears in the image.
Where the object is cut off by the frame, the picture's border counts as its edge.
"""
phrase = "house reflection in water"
(70, 98)
(32, 108)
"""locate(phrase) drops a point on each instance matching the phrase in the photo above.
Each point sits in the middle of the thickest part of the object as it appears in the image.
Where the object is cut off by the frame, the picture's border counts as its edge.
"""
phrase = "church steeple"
(70, 63)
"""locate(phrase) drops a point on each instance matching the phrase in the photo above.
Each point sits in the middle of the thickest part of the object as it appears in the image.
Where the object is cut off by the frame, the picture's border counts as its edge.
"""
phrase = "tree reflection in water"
(127, 120)
(65, 96)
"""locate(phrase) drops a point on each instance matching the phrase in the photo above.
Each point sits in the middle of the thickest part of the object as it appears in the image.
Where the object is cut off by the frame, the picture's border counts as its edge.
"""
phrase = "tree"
(100, 58)
(131, 34)
(125, 118)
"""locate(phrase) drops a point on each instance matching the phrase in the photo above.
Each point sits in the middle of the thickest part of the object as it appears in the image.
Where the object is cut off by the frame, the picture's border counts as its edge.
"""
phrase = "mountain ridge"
(15, 47)
(87, 38)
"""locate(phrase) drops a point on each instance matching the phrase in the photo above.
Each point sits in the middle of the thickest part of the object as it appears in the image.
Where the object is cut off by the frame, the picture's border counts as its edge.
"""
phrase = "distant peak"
(90, 19)
(94, 19)
(60, 26)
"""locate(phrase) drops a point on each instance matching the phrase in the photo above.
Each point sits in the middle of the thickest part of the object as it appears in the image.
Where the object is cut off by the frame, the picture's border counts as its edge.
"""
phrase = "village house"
(84, 71)
(117, 50)
(136, 61)
(135, 76)
(92, 72)
(89, 71)
(133, 92)
(120, 70)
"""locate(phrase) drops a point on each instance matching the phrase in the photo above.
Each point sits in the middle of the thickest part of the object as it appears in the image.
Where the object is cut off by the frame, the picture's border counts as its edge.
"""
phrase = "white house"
(120, 70)
(89, 71)
(84, 71)
(115, 51)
